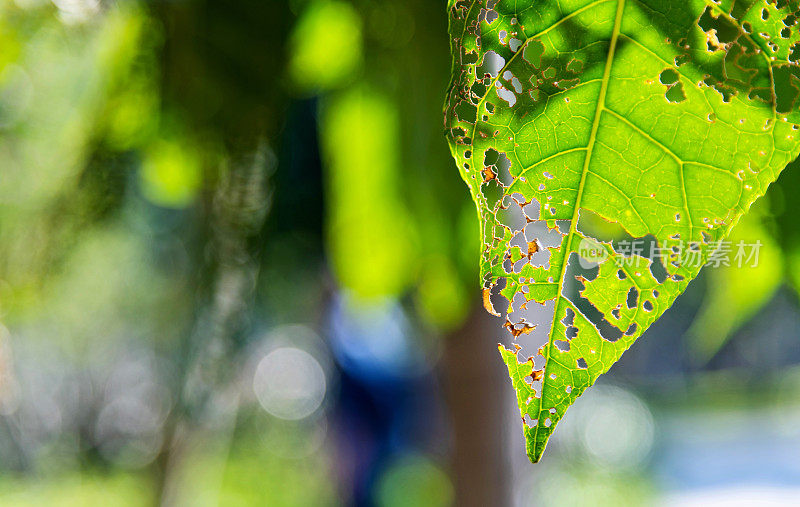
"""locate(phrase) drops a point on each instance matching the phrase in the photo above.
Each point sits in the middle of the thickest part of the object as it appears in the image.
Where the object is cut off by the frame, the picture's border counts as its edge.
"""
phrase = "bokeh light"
(289, 383)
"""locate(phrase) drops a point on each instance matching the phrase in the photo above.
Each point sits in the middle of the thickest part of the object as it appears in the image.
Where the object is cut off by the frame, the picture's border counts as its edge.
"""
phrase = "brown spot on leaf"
(533, 247)
(518, 329)
(535, 375)
(487, 301)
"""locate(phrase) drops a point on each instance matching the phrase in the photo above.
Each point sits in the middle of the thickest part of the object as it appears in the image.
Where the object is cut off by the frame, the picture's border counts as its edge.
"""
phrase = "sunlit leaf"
(610, 146)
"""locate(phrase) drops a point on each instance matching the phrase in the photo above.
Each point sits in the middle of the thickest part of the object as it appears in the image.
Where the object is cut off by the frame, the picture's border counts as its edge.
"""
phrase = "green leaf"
(610, 146)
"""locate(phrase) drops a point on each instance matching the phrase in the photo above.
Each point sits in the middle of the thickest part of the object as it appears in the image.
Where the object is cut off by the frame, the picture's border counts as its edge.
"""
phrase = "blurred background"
(238, 267)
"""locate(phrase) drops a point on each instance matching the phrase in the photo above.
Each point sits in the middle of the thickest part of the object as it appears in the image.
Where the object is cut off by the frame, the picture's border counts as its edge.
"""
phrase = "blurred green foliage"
(120, 124)
(414, 480)
(326, 46)
(398, 221)
(121, 490)
(736, 293)
(373, 245)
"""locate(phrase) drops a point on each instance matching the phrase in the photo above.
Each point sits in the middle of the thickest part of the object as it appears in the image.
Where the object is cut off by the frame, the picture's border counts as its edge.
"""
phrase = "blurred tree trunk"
(474, 380)
(221, 64)
(208, 391)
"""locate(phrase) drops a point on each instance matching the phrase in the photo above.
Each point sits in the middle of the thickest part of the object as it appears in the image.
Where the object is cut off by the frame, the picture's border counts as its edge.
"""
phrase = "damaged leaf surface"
(609, 146)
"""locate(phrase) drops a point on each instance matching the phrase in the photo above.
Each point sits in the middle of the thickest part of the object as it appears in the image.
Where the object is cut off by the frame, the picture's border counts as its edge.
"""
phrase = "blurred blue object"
(371, 341)
(388, 397)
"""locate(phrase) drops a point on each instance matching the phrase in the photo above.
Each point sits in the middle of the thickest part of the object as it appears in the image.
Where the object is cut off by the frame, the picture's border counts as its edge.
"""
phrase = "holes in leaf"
(581, 362)
(519, 328)
(511, 214)
(491, 65)
(675, 93)
(574, 284)
(562, 345)
(633, 298)
(508, 265)
(466, 111)
(647, 306)
(787, 87)
(492, 297)
(726, 92)
(531, 209)
(529, 421)
(492, 191)
(794, 53)
(575, 66)
(631, 329)
(658, 270)
(488, 15)
(592, 225)
(478, 89)
(500, 166)
(566, 84)
(668, 76)
(568, 320)
(722, 30)
(516, 84)
(538, 230)
(571, 332)
(533, 52)
(542, 314)
(505, 94)
(621, 275)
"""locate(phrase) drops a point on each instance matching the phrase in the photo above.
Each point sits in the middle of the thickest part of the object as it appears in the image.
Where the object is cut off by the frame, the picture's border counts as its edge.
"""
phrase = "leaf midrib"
(511, 60)
(601, 100)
